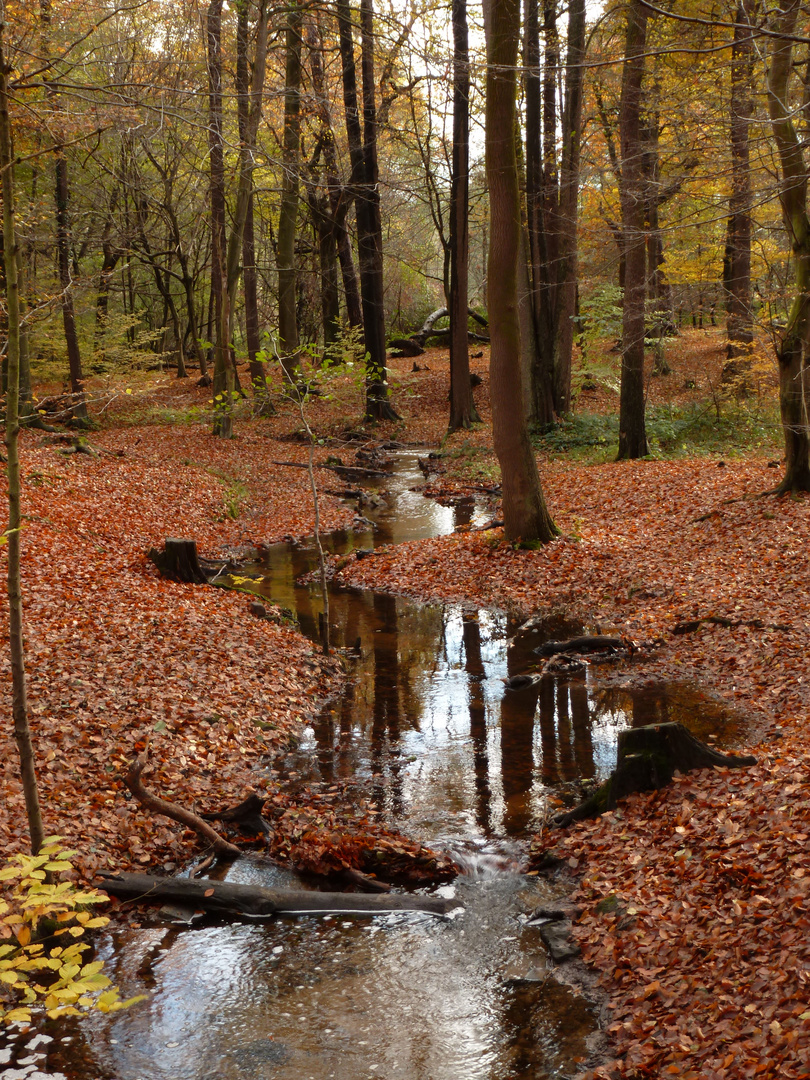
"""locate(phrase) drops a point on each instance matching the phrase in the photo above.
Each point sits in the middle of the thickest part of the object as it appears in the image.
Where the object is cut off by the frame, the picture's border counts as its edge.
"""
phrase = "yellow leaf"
(24, 935)
(17, 1016)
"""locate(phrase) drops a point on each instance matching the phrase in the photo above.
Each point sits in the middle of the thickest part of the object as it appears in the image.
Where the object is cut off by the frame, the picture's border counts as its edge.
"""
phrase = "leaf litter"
(703, 947)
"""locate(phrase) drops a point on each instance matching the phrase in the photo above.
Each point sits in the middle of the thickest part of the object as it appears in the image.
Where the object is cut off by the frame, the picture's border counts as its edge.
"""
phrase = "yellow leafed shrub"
(49, 972)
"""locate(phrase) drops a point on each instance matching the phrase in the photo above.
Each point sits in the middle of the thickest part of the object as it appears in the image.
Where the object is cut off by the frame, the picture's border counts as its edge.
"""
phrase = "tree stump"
(247, 816)
(647, 759)
(179, 561)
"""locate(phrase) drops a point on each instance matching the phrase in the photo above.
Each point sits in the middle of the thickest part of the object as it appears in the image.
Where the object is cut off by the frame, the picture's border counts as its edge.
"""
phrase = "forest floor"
(705, 950)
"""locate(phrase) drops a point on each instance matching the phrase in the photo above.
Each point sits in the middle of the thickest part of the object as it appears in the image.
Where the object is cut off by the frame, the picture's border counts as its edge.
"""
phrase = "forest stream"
(427, 732)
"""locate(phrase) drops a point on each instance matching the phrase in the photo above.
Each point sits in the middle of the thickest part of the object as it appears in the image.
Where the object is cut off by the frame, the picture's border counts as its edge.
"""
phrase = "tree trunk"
(19, 703)
(224, 383)
(369, 239)
(62, 201)
(526, 517)
(462, 408)
(794, 376)
(179, 561)
(258, 377)
(288, 212)
(632, 428)
(339, 198)
(540, 407)
(739, 323)
(567, 253)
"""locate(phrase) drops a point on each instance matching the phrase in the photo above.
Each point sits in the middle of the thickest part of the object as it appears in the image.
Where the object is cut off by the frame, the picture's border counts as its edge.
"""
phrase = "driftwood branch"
(185, 817)
(254, 900)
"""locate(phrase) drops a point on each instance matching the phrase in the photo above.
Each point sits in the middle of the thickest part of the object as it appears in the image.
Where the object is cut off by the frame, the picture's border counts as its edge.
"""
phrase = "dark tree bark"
(63, 238)
(19, 693)
(288, 212)
(567, 251)
(632, 427)
(794, 374)
(378, 407)
(526, 517)
(739, 324)
(363, 154)
(258, 377)
(541, 378)
(462, 407)
(179, 561)
(647, 759)
(552, 193)
(224, 382)
(339, 198)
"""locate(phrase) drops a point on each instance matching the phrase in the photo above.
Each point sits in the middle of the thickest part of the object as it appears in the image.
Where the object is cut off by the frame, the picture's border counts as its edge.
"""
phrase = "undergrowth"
(672, 431)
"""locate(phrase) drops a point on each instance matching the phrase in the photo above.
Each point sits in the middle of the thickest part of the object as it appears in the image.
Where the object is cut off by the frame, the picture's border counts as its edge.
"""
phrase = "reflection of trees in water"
(474, 666)
(581, 723)
(517, 755)
(385, 729)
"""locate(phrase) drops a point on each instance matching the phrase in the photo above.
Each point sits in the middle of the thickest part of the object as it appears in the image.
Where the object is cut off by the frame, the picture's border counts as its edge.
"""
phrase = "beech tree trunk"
(632, 427)
(288, 212)
(794, 374)
(224, 383)
(462, 408)
(540, 406)
(567, 252)
(526, 517)
(62, 202)
(378, 407)
(19, 703)
(340, 198)
(258, 378)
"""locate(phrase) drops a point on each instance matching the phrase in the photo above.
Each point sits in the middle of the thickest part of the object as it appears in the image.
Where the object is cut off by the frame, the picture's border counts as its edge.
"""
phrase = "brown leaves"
(706, 954)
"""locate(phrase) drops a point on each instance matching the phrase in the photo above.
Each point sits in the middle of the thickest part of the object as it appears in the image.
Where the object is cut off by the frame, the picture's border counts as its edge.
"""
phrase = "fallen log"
(647, 759)
(586, 645)
(230, 898)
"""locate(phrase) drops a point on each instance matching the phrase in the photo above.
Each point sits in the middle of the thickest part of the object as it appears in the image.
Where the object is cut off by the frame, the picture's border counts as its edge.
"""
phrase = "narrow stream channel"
(447, 755)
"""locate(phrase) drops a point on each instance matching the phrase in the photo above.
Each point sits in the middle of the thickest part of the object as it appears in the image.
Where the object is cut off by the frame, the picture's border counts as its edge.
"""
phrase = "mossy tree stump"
(179, 561)
(647, 759)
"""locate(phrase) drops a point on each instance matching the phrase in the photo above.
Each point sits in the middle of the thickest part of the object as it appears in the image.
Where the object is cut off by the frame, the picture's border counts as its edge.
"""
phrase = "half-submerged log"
(647, 759)
(229, 898)
(586, 645)
(179, 561)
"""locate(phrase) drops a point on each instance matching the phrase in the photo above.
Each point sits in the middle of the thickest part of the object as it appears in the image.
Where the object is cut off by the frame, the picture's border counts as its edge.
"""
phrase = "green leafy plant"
(599, 320)
(37, 915)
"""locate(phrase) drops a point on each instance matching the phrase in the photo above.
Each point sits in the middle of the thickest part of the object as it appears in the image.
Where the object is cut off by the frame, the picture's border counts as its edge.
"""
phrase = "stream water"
(447, 754)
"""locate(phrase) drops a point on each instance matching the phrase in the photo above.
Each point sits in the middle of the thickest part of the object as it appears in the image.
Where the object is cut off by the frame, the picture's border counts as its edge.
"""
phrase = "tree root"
(647, 759)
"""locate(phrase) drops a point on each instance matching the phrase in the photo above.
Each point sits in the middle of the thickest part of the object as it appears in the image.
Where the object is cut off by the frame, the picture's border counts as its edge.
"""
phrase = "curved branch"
(177, 813)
